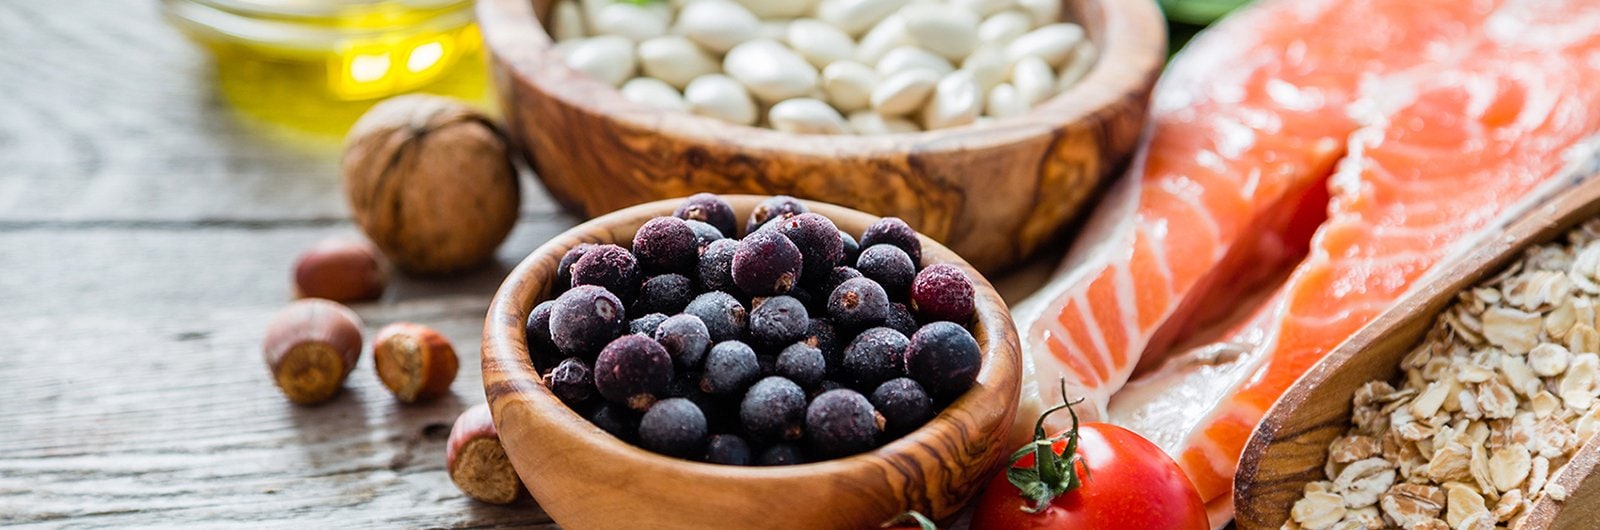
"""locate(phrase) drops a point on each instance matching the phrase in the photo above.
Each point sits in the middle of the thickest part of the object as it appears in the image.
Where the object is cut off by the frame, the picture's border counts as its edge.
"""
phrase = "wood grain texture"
(586, 478)
(993, 192)
(1290, 446)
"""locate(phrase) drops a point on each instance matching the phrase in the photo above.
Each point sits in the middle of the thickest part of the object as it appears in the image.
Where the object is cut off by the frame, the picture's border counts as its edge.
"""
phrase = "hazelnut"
(476, 461)
(431, 182)
(340, 269)
(311, 346)
(414, 361)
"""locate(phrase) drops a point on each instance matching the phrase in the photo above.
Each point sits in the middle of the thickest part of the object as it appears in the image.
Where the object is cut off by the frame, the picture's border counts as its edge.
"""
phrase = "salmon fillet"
(1447, 114)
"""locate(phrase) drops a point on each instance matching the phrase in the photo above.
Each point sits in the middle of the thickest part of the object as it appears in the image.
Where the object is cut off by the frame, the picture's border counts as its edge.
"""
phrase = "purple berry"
(893, 231)
(731, 367)
(944, 357)
(673, 426)
(608, 266)
(618, 420)
(774, 409)
(818, 240)
(634, 371)
(646, 325)
(666, 244)
(728, 449)
(851, 248)
(824, 386)
(835, 277)
(766, 263)
(900, 319)
(890, 267)
(585, 319)
(686, 339)
(802, 364)
(716, 266)
(725, 318)
(821, 335)
(542, 349)
(942, 292)
(778, 320)
(704, 234)
(571, 380)
(781, 455)
(875, 356)
(778, 207)
(667, 294)
(858, 304)
(709, 209)
(842, 422)
(564, 269)
(903, 403)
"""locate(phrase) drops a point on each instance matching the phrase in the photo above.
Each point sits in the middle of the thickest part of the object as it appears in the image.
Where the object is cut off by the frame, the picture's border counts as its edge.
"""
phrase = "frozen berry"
(944, 357)
(616, 419)
(858, 303)
(824, 386)
(818, 241)
(842, 422)
(686, 340)
(802, 364)
(541, 348)
(585, 319)
(900, 319)
(716, 266)
(851, 248)
(709, 209)
(903, 403)
(942, 292)
(731, 367)
(875, 356)
(728, 449)
(633, 370)
(674, 427)
(646, 325)
(802, 295)
(836, 276)
(778, 320)
(821, 335)
(893, 231)
(564, 269)
(890, 267)
(724, 316)
(704, 235)
(608, 266)
(781, 455)
(778, 207)
(766, 263)
(571, 380)
(667, 294)
(666, 244)
(774, 409)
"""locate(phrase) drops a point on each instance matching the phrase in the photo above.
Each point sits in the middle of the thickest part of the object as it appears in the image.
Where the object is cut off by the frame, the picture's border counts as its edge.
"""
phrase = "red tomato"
(1125, 482)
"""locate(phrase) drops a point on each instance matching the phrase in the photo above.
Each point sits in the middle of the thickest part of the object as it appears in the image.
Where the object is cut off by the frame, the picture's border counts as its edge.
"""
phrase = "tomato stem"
(1051, 475)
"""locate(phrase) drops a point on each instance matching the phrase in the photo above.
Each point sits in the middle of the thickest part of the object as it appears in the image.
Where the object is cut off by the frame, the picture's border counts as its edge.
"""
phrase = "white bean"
(631, 21)
(566, 21)
(855, 16)
(608, 58)
(770, 70)
(719, 26)
(947, 31)
(1034, 79)
(719, 96)
(779, 8)
(675, 59)
(1042, 11)
(1053, 43)
(904, 92)
(1003, 101)
(984, 8)
(1004, 27)
(654, 92)
(591, 10)
(956, 100)
(848, 85)
(806, 116)
(1077, 67)
(912, 58)
(777, 30)
(988, 65)
(887, 35)
(869, 122)
(819, 42)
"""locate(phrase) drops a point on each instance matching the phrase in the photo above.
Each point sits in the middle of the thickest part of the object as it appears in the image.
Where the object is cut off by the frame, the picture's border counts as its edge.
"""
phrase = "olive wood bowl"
(1290, 446)
(994, 192)
(586, 478)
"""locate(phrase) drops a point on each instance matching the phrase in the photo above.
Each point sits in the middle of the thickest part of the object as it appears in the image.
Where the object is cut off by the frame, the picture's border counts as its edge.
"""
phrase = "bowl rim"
(514, 380)
(1130, 36)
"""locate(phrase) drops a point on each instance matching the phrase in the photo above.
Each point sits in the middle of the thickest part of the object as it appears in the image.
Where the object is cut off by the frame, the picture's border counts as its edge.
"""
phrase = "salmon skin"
(1307, 161)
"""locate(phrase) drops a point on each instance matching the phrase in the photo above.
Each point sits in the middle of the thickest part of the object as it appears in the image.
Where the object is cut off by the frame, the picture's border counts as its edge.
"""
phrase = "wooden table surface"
(147, 230)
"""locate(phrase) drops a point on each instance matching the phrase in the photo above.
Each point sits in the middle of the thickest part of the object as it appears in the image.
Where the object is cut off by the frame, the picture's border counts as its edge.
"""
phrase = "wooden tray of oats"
(1470, 405)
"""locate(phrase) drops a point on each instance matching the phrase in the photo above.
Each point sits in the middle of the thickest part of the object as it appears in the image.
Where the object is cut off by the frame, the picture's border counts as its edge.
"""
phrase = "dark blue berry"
(730, 368)
(666, 245)
(903, 403)
(725, 318)
(542, 349)
(781, 455)
(858, 303)
(900, 319)
(894, 231)
(774, 409)
(646, 325)
(716, 266)
(778, 207)
(944, 357)
(835, 277)
(685, 338)
(821, 335)
(633, 370)
(728, 449)
(666, 294)
(824, 386)
(709, 209)
(673, 426)
(842, 422)
(943, 292)
(851, 248)
(802, 364)
(608, 266)
(818, 239)
(571, 380)
(585, 319)
(704, 235)
(778, 320)
(618, 420)
(564, 269)
(875, 356)
(766, 263)
(890, 267)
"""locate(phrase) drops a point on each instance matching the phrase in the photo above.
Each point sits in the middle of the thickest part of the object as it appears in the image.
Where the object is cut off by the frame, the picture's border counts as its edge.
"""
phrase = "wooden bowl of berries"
(642, 368)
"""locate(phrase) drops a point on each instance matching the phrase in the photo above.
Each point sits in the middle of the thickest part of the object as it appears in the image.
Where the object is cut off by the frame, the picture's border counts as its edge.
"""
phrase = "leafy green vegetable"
(1198, 12)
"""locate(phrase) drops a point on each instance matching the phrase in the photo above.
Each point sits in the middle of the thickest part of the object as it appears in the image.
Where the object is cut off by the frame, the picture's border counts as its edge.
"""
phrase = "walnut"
(431, 182)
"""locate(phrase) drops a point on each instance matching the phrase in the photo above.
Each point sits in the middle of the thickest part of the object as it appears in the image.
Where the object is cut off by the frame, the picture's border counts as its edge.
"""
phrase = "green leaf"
(1199, 12)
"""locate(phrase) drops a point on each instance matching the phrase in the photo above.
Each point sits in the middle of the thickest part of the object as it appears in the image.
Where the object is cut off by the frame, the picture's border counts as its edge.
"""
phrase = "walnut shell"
(430, 180)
